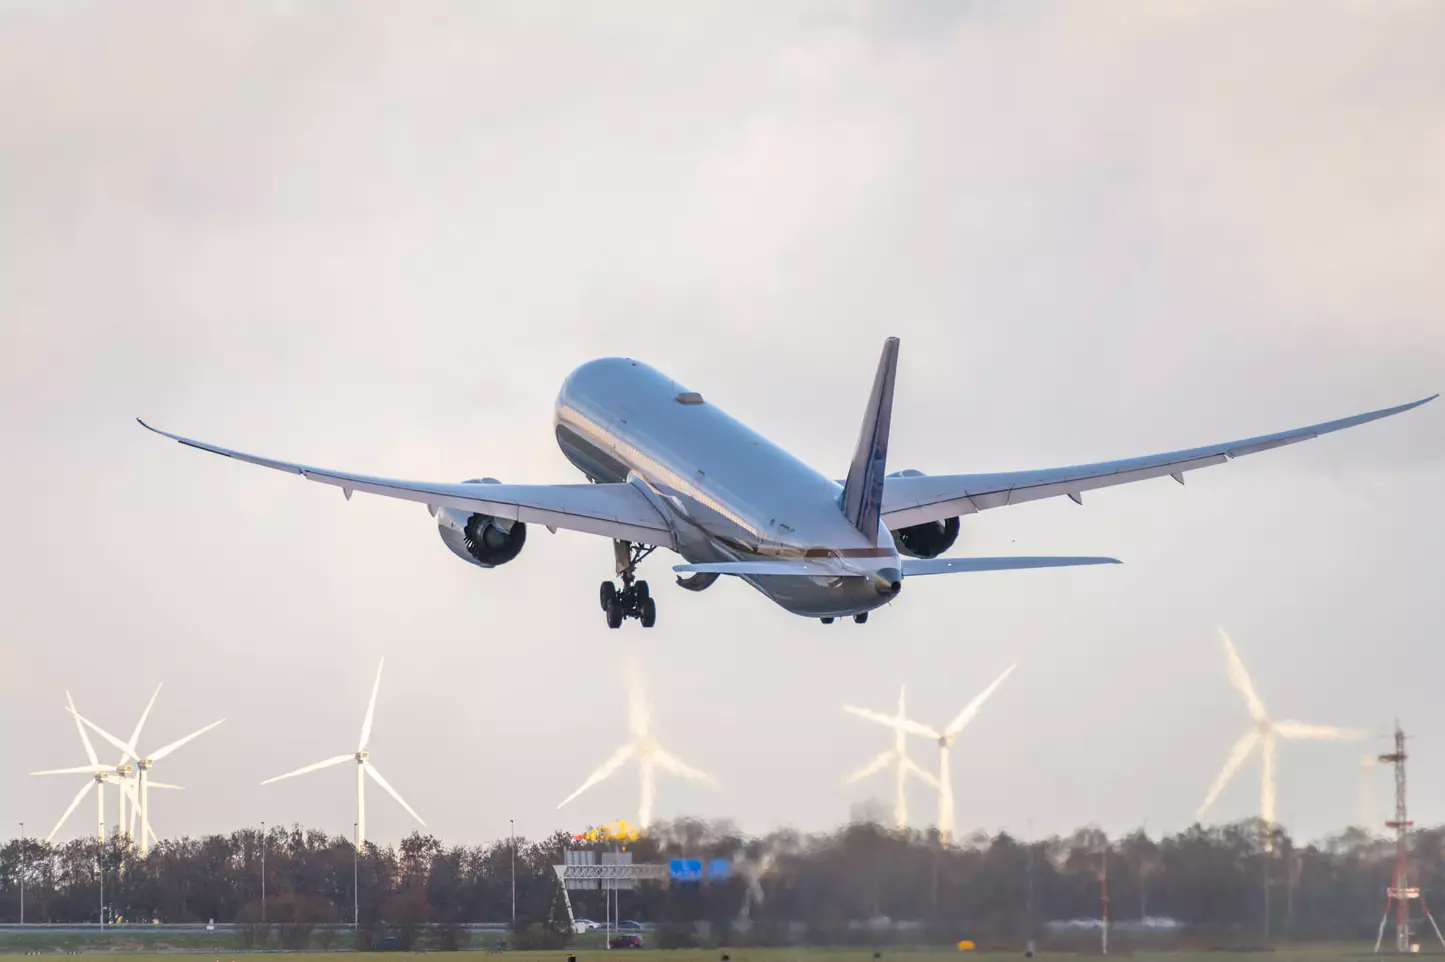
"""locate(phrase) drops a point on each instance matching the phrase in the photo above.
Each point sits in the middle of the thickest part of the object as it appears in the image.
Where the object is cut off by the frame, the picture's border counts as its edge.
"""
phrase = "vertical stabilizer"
(863, 491)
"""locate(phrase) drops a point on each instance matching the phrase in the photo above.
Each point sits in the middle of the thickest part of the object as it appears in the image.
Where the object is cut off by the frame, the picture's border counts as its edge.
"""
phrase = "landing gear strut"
(633, 600)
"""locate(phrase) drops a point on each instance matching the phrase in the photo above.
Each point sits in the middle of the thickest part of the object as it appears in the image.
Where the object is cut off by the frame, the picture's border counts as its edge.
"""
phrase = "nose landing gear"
(633, 600)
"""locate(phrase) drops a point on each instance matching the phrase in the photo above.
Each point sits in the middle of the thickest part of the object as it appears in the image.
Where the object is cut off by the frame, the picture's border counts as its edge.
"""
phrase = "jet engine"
(927, 540)
(481, 539)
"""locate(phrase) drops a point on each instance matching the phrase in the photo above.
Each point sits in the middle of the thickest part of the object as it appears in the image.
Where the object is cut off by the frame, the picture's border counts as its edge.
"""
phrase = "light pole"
(263, 873)
(1029, 899)
(513, 823)
(22, 873)
(355, 876)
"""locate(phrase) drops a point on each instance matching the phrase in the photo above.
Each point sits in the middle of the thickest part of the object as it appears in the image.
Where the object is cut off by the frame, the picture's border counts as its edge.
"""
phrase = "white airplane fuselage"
(728, 493)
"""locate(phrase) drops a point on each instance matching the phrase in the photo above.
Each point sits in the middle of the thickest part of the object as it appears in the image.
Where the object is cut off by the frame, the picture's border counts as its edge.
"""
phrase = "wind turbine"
(902, 728)
(1263, 735)
(364, 768)
(140, 795)
(99, 776)
(945, 740)
(643, 747)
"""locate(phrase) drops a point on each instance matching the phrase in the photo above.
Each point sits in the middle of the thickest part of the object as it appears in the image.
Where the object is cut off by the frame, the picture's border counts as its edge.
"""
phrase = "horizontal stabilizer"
(943, 566)
(783, 566)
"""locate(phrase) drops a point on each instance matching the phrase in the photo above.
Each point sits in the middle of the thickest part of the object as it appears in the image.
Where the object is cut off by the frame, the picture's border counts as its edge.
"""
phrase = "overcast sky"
(377, 236)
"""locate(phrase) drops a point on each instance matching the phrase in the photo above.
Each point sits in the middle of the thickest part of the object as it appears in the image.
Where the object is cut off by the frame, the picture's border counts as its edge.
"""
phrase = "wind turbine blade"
(1237, 755)
(872, 768)
(964, 717)
(84, 738)
(160, 753)
(151, 784)
(135, 735)
(923, 774)
(1240, 679)
(74, 804)
(78, 770)
(1294, 729)
(376, 777)
(891, 721)
(676, 766)
(311, 768)
(618, 759)
(371, 709)
(127, 751)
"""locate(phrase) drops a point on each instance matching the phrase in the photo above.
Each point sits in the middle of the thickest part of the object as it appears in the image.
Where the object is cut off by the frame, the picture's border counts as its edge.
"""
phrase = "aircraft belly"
(813, 598)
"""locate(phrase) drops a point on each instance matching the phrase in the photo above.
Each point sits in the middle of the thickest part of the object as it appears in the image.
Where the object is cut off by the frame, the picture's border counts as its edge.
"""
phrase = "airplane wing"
(923, 498)
(611, 510)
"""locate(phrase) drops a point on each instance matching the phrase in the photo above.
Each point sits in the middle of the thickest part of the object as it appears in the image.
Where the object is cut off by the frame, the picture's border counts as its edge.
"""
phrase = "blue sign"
(719, 869)
(685, 869)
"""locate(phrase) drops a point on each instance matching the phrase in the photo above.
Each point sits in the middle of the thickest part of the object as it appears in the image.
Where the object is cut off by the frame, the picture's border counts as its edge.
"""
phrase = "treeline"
(857, 884)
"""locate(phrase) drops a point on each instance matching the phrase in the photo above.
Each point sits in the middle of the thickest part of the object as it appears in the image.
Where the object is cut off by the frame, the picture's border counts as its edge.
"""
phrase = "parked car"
(628, 925)
(630, 940)
(585, 925)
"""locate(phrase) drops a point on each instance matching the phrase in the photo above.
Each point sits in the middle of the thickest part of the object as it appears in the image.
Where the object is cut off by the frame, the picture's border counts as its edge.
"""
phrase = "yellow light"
(965, 946)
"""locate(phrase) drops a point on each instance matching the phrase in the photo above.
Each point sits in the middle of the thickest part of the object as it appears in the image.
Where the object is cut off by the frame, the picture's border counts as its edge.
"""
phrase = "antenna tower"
(1400, 891)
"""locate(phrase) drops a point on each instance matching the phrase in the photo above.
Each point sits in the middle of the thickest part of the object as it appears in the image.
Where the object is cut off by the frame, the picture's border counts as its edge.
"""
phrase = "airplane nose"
(889, 581)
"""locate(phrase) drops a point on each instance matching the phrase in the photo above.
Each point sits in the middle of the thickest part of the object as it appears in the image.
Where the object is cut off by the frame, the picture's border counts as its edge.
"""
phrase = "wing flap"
(610, 510)
(918, 499)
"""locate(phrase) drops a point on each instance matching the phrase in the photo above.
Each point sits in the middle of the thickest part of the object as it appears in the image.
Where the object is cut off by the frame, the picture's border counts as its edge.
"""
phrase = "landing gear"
(826, 621)
(633, 599)
(861, 618)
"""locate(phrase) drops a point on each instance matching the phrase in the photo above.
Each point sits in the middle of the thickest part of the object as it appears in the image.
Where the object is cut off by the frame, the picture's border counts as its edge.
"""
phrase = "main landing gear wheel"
(861, 618)
(826, 621)
(633, 599)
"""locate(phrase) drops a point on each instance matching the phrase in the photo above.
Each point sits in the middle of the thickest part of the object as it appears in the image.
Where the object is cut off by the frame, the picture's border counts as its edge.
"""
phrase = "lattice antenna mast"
(1400, 892)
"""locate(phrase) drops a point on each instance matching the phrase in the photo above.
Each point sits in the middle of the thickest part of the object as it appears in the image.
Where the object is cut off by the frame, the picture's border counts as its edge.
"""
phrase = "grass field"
(1319, 953)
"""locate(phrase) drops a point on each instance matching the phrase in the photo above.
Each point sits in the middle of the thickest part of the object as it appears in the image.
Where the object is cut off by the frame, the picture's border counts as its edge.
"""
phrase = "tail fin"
(863, 491)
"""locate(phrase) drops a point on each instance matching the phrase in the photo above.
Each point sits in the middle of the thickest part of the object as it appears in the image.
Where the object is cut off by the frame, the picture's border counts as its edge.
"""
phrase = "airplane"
(668, 469)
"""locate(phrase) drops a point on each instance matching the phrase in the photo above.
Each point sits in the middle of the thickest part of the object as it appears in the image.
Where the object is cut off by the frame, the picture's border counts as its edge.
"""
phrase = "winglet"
(863, 491)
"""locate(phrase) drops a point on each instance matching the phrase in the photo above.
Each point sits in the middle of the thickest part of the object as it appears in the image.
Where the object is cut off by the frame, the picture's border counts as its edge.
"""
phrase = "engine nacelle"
(481, 539)
(927, 540)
